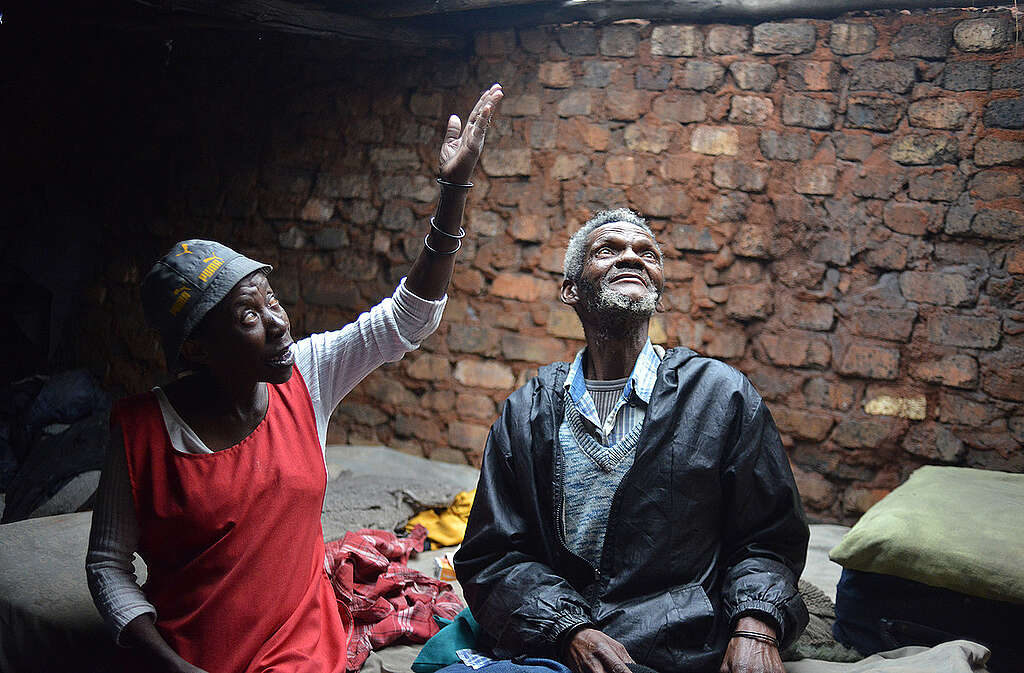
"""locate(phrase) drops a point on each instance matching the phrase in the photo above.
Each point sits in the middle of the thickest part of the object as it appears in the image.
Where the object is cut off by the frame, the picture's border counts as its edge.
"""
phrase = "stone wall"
(840, 205)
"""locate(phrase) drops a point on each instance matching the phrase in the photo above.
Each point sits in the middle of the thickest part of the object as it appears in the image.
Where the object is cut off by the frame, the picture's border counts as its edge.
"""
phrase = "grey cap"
(186, 283)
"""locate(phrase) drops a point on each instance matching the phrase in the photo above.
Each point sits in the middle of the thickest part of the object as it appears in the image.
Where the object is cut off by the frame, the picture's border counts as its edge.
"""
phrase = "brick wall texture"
(839, 202)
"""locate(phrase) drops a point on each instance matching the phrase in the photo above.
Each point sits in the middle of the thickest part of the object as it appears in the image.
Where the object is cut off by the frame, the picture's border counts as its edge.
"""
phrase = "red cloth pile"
(389, 601)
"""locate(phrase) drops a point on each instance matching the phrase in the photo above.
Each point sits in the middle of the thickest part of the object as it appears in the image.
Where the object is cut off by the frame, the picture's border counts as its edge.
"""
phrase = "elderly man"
(635, 505)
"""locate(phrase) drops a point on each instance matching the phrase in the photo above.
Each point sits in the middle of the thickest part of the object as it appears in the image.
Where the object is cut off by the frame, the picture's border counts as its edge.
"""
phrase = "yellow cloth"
(446, 528)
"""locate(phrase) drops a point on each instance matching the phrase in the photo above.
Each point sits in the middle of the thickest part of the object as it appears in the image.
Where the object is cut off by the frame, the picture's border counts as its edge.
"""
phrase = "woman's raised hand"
(462, 146)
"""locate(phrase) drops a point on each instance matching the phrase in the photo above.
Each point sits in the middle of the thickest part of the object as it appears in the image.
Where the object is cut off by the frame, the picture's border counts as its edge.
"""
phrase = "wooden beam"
(289, 17)
(703, 11)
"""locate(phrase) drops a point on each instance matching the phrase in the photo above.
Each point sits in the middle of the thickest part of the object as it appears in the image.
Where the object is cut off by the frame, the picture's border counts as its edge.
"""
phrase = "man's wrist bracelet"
(760, 637)
(454, 185)
(441, 252)
(434, 227)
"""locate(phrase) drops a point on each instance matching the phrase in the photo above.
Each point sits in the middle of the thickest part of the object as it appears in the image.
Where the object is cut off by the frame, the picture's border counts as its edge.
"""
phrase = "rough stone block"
(472, 339)
(330, 238)
(484, 374)
(796, 349)
(467, 436)
(783, 38)
(934, 442)
(618, 40)
(877, 403)
(945, 289)
(555, 74)
(622, 170)
(750, 110)
(429, 367)
(645, 136)
(596, 136)
(715, 140)
(626, 105)
(342, 186)
(1007, 113)
(869, 361)
(1003, 373)
(676, 41)
(598, 74)
(892, 76)
(812, 113)
(687, 237)
(943, 184)
(568, 166)
(962, 330)
(563, 323)
(878, 180)
(819, 392)
(727, 344)
(984, 34)
(812, 75)
(962, 253)
(364, 414)
(530, 227)
(892, 254)
(521, 286)
(663, 201)
(574, 104)
(816, 179)
(795, 146)
(847, 39)
(815, 490)
(956, 371)
(967, 76)
(653, 79)
(922, 40)
(531, 348)
(522, 106)
(855, 433)
(750, 302)
(737, 174)
(996, 152)
(729, 207)
(389, 391)
(808, 315)
(578, 40)
(1000, 224)
(701, 75)
(753, 76)
(993, 184)
(506, 162)
(495, 44)
(873, 112)
(753, 241)
(915, 219)
(937, 113)
(891, 324)
(729, 39)
(917, 150)
(1009, 75)
(802, 424)
(476, 406)
(389, 159)
(682, 109)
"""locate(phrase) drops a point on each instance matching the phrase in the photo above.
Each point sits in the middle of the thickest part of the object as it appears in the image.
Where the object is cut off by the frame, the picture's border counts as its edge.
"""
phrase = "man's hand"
(590, 651)
(462, 146)
(745, 655)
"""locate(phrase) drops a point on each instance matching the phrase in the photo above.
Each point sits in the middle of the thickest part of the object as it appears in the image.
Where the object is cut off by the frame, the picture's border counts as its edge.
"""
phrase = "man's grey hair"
(574, 251)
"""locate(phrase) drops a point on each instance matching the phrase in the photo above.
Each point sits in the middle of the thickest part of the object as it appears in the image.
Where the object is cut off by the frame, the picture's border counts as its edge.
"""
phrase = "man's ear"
(194, 352)
(568, 294)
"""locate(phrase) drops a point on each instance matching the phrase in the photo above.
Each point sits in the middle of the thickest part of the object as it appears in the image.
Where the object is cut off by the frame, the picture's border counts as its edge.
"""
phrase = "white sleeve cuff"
(416, 318)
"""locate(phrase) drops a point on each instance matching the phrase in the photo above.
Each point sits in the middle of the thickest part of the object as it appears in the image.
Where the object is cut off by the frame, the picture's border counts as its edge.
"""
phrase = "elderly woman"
(218, 478)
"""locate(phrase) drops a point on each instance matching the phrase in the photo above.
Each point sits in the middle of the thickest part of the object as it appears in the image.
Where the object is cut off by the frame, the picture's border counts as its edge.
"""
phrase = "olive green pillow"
(952, 527)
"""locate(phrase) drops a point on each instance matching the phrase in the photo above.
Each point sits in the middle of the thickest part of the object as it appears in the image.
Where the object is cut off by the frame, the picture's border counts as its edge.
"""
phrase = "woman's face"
(247, 336)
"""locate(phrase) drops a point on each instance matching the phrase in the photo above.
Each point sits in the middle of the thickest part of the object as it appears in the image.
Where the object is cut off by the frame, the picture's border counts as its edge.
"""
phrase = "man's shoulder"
(689, 364)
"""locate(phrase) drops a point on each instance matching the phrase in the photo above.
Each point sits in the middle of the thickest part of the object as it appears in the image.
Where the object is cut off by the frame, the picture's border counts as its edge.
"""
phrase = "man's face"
(622, 277)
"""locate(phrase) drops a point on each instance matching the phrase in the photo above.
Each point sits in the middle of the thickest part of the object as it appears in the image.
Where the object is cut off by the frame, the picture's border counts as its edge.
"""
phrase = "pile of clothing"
(390, 603)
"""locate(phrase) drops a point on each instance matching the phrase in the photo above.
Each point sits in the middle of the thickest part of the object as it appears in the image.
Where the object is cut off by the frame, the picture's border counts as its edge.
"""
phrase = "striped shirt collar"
(640, 384)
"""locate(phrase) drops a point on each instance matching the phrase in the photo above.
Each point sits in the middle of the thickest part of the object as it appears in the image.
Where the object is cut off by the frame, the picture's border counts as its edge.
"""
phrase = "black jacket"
(706, 525)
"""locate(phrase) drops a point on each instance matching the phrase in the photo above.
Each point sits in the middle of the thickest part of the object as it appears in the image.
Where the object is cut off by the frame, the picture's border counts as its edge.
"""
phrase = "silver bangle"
(454, 185)
(461, 234)
(439, 252)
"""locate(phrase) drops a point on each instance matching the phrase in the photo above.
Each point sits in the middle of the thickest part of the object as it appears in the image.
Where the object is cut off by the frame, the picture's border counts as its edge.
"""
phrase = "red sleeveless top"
(233, 543)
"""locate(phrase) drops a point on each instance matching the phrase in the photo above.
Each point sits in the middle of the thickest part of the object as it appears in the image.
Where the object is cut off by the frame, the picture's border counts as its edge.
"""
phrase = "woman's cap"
(186, 283)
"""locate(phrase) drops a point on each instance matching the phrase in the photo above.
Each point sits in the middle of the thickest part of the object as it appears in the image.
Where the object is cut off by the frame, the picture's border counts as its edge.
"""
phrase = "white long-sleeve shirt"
(331, 363)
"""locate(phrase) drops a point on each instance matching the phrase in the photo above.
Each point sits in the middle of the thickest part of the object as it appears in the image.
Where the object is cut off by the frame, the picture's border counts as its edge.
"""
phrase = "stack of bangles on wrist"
(438, 230)
(760, 637)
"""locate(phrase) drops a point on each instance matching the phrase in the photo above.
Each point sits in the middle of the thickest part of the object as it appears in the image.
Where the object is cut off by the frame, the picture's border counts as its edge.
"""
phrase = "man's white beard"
(615, 308)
